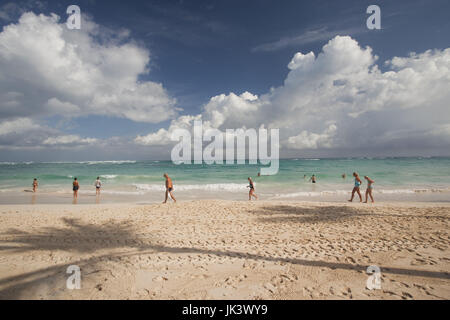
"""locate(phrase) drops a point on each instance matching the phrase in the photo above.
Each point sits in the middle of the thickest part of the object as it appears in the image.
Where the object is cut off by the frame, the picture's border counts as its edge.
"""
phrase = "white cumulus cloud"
(47, 69)
(340, 99)
(68, 140)
(308, 140)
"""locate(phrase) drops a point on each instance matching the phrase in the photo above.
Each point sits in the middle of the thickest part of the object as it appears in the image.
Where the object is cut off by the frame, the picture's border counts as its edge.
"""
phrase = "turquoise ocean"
(421, 179)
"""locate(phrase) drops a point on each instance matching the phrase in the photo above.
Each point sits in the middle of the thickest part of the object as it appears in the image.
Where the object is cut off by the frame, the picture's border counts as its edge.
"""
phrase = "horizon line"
(224, 161)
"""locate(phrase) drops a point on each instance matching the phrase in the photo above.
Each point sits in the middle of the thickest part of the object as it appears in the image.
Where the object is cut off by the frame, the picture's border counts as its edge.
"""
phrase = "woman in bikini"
(35, 185)
(251, 193)
(358, 182)
(76, 186)
(369, 188)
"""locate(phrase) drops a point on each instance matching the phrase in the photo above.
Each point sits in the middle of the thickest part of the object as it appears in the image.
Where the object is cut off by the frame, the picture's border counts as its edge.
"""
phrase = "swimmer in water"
(313, 179)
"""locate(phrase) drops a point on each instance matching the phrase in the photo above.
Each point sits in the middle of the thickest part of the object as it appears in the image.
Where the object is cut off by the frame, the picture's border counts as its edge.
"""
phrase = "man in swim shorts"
(98, 185)
(169, 188)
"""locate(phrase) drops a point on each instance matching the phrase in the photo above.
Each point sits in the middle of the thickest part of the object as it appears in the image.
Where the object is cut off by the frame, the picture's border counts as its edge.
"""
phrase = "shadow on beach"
(329, 214)
(89, 239)
(75, 237)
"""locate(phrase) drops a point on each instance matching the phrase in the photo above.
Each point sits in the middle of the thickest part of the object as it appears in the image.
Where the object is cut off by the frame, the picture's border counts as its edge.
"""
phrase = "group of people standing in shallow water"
(251, 185)
(76, 187)
(356, 188)
(169, 188)
(313, 179)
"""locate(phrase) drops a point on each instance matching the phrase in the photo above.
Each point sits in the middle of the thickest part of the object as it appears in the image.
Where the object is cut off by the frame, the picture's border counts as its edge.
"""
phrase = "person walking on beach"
(169, 188)
(369, 188)
(98, 185)
(76, 186)
(358, 182)
(313, 179)
(35, 185)
(251, 185)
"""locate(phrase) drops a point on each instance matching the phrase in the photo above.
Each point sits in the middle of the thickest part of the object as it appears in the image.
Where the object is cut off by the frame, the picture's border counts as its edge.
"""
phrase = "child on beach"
(358, 182)
(251, 193)
(313, 178)
(369, 188)
(75, 188)
(35, 185)
(98, 185)
(169, 188)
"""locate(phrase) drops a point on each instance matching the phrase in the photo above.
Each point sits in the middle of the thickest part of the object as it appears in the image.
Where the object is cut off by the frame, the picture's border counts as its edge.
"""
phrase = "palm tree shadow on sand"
(122, 239)
(329, 214)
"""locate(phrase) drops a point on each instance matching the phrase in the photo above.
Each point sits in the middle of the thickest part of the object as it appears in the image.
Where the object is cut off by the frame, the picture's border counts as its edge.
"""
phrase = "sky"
(136, 71)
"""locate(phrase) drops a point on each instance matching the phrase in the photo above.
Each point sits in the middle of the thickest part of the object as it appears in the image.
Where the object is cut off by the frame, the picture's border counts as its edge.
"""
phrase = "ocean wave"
(107, 162)
(92, 162)
(108, 176)
(344, 192)
(310, 194)
(399, 191)
(297, 194)
(6, 163)
(10, 189)
(118, 192)
(231, 187)
(304, 159)
(432, 190)
(91, 191)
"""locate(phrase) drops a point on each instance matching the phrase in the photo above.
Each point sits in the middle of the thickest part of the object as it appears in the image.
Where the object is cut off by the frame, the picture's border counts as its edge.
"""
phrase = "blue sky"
(201, 49)
(204, 48)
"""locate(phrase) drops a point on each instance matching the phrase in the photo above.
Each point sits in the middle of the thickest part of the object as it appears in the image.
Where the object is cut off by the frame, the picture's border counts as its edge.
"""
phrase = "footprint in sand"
(418, 262)
(406, 296)
(350, 260)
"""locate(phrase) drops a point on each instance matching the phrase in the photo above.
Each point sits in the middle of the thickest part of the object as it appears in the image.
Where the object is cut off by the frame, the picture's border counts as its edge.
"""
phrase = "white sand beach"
(210, 249)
